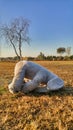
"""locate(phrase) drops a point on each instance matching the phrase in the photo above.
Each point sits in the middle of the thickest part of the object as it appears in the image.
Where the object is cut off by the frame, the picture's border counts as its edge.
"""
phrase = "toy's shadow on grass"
(66, 91)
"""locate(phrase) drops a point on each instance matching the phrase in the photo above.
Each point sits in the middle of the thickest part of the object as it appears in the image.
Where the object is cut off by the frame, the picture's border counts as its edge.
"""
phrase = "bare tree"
(16, 33)
(68, 51)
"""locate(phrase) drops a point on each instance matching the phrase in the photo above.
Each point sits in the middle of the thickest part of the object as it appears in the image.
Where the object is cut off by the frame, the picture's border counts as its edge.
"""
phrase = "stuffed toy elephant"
(36, 75)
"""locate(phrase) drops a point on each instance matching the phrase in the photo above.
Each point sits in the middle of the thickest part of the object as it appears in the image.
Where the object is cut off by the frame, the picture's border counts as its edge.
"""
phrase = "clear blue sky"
(51, 24)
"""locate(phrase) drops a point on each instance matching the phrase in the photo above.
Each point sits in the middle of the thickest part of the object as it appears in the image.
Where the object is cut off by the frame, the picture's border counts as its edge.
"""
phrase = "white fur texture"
(36, 75)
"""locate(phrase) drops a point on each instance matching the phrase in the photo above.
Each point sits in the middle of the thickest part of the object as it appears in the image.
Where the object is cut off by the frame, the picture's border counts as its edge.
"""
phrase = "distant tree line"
(40, 57)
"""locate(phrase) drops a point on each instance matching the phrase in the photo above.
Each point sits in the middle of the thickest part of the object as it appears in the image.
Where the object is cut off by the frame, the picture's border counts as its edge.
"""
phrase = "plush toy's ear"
(55, 84)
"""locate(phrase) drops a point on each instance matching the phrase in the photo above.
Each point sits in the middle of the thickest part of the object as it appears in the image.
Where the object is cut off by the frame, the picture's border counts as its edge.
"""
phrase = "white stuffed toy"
(36, 75)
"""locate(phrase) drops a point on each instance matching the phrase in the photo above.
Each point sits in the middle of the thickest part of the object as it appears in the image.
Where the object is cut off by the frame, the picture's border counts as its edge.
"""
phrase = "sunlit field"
(33, 111)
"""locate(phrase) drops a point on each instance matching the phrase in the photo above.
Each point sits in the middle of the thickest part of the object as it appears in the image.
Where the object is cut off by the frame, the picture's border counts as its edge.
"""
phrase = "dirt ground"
(33, 111)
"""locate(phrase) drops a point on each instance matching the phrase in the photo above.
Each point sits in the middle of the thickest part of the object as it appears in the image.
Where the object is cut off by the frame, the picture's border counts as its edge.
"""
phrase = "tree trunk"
(20, 45)
(15, 50)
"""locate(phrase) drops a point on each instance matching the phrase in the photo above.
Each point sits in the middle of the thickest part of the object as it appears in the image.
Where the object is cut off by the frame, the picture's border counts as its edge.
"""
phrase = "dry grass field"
(33, 111)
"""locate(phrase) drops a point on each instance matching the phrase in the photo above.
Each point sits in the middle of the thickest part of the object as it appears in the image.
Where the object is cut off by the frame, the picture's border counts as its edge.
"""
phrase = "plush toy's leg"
(17, 81)
(55, 84)
(29, 86)
(34, 84)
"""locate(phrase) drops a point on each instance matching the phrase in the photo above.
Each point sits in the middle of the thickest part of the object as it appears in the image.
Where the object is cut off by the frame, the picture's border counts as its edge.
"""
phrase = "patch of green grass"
(2, 90)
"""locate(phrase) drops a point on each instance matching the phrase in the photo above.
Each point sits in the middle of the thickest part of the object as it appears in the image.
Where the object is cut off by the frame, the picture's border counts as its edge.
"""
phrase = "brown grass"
(52, 111)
